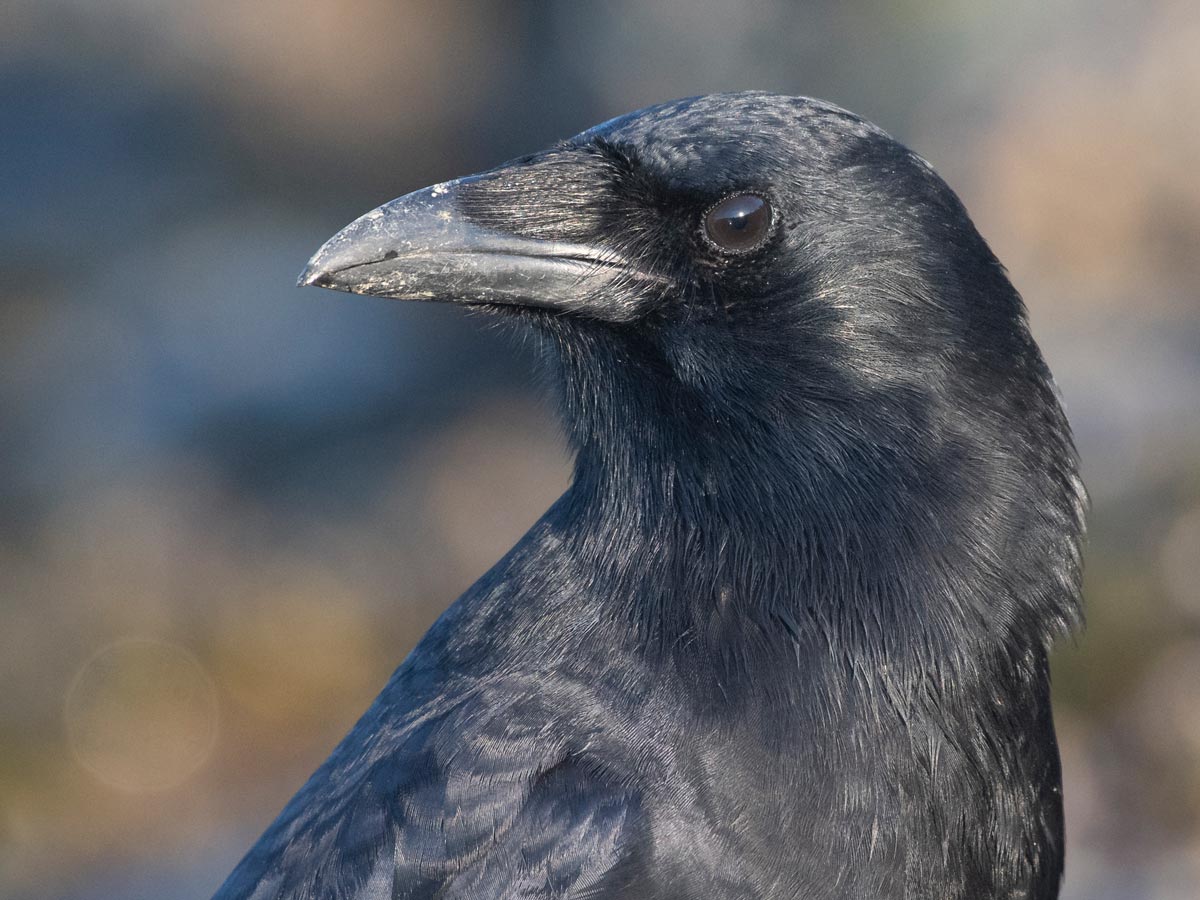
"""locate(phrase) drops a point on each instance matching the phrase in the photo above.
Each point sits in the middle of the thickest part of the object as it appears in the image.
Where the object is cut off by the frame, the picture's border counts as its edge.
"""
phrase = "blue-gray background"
(229, 507)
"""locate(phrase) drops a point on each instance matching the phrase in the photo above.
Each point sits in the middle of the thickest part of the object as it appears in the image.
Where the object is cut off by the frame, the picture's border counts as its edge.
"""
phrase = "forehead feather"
(735, 134)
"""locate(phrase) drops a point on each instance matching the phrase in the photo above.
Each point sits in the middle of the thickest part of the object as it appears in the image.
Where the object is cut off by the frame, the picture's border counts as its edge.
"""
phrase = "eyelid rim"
(767, 233)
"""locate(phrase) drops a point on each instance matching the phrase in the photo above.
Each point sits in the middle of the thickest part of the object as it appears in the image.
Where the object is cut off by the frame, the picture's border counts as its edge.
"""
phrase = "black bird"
(786, 634)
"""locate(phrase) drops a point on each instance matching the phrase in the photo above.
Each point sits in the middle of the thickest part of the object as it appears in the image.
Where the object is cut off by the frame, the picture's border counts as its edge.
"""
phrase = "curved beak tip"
(310, 276)
(316, 275)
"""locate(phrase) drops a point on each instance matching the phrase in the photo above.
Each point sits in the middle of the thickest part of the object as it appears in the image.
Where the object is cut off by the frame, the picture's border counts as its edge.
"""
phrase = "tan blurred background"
(228, 507)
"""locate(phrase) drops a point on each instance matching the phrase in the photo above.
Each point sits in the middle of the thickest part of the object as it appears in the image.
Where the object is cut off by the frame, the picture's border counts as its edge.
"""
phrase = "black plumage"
(786, 634)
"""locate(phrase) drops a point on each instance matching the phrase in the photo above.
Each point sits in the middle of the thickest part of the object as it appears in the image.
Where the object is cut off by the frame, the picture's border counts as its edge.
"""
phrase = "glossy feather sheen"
(786, 634)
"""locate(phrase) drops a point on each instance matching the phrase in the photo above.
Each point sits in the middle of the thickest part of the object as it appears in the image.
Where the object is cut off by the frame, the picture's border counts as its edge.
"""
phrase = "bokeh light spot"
(141, 715)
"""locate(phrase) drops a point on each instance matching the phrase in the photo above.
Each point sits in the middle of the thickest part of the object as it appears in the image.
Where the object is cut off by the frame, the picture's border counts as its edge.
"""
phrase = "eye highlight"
(739, 223)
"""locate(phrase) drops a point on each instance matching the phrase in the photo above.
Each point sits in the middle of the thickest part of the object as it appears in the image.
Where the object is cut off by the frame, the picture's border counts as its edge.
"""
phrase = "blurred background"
(228, 508)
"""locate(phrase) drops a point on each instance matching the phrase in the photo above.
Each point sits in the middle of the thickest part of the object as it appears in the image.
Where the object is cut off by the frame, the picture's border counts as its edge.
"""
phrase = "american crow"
(786, 634)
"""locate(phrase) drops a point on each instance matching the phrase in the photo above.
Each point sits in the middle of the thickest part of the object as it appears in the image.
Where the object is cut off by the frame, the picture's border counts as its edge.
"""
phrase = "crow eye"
(738, 223)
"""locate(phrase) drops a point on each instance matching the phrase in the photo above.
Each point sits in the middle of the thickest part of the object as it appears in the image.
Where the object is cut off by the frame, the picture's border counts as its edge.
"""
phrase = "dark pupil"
(738, 223)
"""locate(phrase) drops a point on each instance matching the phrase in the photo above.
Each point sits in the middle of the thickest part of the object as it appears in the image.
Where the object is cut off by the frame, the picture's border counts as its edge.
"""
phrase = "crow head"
(765, 303)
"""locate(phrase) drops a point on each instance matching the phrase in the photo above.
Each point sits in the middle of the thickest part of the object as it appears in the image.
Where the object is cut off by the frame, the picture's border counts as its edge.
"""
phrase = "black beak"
(422, 247)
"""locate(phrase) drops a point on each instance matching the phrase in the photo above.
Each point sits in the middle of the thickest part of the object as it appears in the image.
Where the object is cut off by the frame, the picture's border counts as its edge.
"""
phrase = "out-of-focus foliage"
(228, 508)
